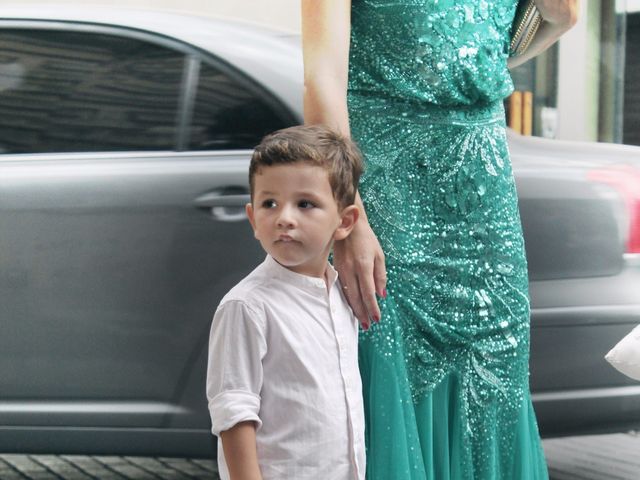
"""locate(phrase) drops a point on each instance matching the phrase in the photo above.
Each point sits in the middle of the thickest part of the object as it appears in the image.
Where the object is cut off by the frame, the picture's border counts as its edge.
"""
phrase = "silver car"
(125, 138)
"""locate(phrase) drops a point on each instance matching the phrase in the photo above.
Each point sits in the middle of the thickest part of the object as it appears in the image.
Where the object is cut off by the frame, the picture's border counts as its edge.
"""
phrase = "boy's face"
(296, 218)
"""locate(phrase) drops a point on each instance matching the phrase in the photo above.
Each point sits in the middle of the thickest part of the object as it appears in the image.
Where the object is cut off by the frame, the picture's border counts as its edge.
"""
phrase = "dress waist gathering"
(394, 108)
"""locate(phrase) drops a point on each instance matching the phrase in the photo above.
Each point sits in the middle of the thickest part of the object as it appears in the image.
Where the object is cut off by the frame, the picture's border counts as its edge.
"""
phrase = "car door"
(122, 179)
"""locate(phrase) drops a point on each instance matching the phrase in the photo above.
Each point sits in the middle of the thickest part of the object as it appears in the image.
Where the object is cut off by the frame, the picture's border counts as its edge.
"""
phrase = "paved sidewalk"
(81, 467)
(594, 457)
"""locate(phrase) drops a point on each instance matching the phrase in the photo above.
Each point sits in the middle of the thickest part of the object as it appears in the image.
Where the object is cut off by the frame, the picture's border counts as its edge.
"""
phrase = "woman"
(445, 372)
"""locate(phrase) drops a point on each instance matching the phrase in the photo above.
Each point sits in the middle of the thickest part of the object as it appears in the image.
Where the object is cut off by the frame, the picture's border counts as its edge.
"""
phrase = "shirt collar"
(307, 282)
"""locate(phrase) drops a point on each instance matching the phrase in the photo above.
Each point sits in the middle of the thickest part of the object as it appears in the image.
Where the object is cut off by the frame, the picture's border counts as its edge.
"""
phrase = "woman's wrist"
(562, 14)
(362, 219)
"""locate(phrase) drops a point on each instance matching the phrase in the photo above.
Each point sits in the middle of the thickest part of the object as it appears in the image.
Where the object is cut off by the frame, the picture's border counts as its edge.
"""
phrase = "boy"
(283, 382)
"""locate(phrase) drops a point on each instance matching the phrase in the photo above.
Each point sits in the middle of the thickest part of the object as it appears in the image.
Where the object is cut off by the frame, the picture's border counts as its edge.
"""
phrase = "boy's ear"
(249, 209)
(349, 218)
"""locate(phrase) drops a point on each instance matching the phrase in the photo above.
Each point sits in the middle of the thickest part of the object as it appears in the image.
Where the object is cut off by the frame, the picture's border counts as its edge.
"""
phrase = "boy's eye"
(306, 204)
(269, 203)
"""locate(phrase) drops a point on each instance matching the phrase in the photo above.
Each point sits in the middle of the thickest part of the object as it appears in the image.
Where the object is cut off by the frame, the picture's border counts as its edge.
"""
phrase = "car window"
(63, 91)
(230, 114)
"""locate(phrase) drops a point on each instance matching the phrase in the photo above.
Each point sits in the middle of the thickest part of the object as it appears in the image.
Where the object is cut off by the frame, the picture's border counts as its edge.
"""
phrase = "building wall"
(578, 77)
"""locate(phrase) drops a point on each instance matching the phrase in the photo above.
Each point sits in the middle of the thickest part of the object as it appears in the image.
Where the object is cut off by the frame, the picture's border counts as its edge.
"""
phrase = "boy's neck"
(324, 275)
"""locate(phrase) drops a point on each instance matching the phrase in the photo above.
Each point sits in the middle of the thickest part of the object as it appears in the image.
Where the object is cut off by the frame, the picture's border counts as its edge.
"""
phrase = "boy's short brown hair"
(316, 145)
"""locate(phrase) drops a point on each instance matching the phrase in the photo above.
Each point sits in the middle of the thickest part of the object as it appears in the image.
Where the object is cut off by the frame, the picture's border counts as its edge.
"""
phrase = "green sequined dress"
(445, 372)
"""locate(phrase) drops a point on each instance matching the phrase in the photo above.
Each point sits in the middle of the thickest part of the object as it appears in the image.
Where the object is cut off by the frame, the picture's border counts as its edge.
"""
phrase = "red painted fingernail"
(364, 326)
(376, 318)
(384, 293)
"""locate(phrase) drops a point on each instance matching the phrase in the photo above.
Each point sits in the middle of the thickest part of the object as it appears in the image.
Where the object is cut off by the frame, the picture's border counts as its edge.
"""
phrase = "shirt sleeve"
(237, 346)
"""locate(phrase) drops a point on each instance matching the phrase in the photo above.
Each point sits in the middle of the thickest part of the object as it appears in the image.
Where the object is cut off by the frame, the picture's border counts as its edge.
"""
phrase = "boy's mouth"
(285, 239)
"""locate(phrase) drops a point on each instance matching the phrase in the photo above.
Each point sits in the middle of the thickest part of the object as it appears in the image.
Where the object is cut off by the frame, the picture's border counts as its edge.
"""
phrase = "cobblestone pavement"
(602, 457)
(82, 467)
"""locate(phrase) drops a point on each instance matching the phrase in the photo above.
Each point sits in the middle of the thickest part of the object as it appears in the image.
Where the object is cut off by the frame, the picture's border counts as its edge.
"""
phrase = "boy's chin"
(315, 269)
(291, 264)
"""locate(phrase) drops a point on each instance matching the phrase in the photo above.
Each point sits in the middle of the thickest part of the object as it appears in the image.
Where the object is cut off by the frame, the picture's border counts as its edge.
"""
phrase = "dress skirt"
(445, 372)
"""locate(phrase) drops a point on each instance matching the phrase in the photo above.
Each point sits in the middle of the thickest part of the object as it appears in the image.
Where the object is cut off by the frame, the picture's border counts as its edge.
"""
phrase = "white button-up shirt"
(283, 353)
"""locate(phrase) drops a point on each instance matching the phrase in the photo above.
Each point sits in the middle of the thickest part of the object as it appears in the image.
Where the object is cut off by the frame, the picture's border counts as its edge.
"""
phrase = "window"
(631, 132)
(230, 114)
(63, 91)
(534, 99)
(586, 87)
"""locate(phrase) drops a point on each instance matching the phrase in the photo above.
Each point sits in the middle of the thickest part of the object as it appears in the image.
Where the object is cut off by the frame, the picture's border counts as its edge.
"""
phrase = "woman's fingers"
(367, 309)
(357, 305)
(360, 264)
(380, 275)
(351, 289)
(348, 272)
(364, 270)
(365, 267)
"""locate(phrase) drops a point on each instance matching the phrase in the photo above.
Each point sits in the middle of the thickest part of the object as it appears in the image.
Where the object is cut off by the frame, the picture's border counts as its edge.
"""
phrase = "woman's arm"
(326, 27)
(559, 16)
(240, 454)
(326, 30)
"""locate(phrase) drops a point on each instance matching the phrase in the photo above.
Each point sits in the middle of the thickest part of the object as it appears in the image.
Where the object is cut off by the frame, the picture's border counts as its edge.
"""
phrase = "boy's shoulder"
(251, 290)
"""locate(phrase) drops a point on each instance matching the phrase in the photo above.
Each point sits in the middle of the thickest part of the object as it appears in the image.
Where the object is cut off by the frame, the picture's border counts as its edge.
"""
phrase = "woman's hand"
(360, 264)
(563, 13)
(558, 17)
(326, 29)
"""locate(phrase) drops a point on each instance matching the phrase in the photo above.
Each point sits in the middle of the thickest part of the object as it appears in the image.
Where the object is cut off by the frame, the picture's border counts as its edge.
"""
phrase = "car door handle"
(221, 200)
(224, 208)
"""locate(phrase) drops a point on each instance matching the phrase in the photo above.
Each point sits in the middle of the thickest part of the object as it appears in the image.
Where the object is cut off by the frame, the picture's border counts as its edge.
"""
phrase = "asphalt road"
(597, 457)
(603, 457)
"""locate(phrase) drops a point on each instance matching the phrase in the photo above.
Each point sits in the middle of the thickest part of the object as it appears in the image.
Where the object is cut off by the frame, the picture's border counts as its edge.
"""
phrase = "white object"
(283, 352)
(625, 356)
(549, 121)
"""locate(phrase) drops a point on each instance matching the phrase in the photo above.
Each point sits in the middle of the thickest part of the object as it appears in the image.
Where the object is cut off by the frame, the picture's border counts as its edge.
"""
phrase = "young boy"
(283, 382)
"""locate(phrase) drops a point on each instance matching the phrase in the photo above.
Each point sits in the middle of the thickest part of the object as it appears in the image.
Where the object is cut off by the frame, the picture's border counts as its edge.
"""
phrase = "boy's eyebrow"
(303, 193)
(307, 193)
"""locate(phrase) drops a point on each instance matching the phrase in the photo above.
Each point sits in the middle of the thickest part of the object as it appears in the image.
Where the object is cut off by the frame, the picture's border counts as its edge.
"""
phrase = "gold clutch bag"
(525, 25)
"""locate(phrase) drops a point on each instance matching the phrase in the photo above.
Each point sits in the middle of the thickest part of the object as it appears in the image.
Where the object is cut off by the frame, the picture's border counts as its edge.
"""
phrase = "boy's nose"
(286, 218)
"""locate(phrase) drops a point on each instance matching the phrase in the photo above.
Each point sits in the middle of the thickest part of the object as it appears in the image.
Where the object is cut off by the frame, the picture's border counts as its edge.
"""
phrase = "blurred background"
(123, 177)
(584, 88)
(282, 14)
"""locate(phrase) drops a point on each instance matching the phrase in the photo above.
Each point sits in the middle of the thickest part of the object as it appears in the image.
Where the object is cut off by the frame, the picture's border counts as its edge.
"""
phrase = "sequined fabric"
(426, 83)
(445, 52)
